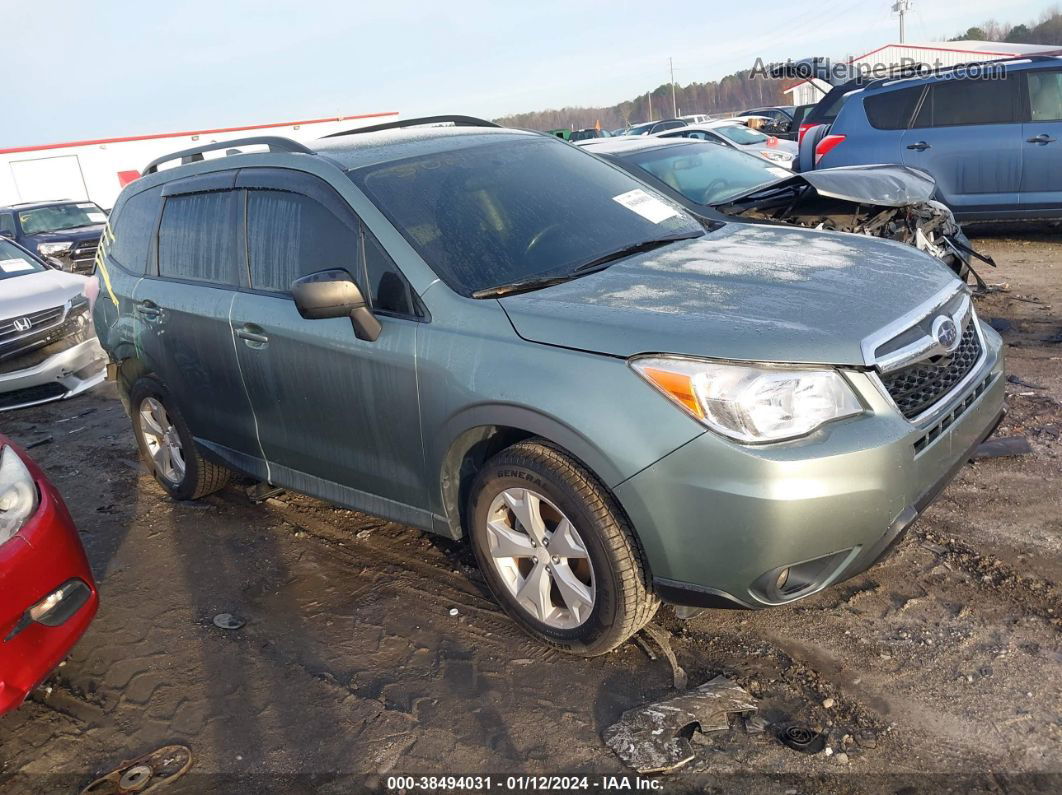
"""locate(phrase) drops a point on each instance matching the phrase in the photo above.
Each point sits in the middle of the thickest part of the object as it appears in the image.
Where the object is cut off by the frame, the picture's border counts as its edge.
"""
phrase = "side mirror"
(333, 293)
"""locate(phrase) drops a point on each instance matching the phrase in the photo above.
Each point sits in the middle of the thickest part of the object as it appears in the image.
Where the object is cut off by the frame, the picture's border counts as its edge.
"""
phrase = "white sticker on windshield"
(648, 207)
(15, 265)
(97, 217)
(780, 172)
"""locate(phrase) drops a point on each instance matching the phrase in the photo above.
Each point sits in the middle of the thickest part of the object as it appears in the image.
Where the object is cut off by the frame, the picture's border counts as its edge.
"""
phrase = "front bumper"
(721, 522)
(63, 375)
(39, 559)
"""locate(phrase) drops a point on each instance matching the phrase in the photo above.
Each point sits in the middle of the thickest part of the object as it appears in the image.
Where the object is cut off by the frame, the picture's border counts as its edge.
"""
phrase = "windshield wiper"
(583, 269)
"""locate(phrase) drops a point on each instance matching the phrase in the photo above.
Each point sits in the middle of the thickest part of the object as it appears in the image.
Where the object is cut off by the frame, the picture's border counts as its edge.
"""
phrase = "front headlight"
(54, 249)
(18, 494)
(777, 157)
(752, 403)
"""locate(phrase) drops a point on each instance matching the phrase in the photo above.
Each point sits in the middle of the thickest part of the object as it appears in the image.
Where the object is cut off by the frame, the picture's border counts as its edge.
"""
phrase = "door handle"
(1042, 138)
(918, 146)
(149, 310)
(252, 335)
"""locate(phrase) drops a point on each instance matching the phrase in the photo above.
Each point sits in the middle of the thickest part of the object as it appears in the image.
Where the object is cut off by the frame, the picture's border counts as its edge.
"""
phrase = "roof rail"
(274, 142)
(457, 121)
(924, 70)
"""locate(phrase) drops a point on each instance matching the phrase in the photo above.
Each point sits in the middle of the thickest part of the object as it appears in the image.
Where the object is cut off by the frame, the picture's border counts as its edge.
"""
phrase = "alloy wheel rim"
(541, 558)
(162, 440)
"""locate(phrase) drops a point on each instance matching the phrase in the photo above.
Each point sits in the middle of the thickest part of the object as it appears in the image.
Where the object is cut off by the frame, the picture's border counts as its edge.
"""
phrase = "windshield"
(57, 217)
(505, 212)
(740, 134)
(16, 262)
(706, 173)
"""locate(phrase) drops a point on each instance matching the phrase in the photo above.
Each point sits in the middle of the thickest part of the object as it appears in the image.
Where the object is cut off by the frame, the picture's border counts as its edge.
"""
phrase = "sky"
(79, 70)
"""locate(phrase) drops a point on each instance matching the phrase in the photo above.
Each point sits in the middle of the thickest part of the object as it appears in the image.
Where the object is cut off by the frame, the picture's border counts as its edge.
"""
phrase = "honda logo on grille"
(23, 324)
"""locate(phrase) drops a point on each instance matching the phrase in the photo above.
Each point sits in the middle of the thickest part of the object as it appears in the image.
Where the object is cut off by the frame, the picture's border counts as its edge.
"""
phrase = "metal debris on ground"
(1004, 446)
(260, 492)
(228, 621)
(39, 442)
(801, 738)
(662, 639)
(1013, 379)
(145, 773)
(655, 738)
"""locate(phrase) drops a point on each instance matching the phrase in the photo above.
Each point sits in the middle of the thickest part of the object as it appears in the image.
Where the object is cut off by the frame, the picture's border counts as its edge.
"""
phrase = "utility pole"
(901, 7)
(650, 106)
(674, 105)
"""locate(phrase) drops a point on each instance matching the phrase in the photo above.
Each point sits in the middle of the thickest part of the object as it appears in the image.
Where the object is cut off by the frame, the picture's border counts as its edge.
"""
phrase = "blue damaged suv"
(990, 134)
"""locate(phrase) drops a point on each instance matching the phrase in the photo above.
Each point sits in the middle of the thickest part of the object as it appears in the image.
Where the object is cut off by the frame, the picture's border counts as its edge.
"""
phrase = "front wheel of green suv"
(557, 551)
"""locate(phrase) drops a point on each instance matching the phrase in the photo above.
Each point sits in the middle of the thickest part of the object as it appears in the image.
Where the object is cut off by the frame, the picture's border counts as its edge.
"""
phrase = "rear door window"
(1045, 96)
(290, 236)
(968, 101)
(133, 228)
(892, 110)
(7, 224)
(199, 237)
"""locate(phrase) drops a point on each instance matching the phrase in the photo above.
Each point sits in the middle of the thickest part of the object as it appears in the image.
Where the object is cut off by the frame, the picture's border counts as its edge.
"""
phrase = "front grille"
(18, 353)
(33, 394)
(947, 421)
(37, 320)
(918, 387)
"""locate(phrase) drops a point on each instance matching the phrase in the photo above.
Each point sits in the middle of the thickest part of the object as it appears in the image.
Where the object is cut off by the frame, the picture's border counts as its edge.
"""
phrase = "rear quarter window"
(133, 228)
(892, 110)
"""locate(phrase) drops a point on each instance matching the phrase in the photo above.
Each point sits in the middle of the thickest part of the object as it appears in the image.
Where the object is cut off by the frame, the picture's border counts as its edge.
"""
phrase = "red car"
(47, 594)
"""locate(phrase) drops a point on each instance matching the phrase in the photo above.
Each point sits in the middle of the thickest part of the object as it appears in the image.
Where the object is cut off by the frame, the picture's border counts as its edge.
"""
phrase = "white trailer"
(97, 170)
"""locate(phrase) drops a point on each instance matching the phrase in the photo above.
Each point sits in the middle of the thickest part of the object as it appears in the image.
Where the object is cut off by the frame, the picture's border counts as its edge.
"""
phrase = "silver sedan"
(737, 135)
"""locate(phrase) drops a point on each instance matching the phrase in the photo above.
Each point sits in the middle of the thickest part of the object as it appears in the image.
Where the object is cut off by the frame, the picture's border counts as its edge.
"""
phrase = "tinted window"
(290, 235)
(1045, 95)
(892, 110)
(969, 101)
(7, 224)
(514, 208)
(198, 237)
(668, 125)
(16, 262)
(133, 227)
(705, 173)
(740, 134)
(388, 289)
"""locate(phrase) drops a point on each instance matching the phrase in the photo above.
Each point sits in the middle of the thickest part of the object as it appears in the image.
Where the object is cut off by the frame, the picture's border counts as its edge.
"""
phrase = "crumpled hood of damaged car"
(746, 291)
(880, 185)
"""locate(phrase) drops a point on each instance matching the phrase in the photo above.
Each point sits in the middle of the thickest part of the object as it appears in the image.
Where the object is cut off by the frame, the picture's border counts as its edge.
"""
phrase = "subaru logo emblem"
(946, 333)
(23, 324)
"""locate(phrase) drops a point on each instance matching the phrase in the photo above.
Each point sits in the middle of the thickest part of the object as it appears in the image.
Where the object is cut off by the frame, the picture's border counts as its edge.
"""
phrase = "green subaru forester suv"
(490, 334)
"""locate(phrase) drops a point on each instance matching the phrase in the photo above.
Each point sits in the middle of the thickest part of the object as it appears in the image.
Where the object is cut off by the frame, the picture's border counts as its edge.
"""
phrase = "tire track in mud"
(411, 568)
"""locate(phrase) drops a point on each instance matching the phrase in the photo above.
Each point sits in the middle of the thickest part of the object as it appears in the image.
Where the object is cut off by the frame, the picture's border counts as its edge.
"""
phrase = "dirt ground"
(940, 669)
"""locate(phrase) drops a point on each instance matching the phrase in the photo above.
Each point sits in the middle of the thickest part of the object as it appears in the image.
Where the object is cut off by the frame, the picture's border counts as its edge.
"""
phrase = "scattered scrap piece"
(655, 738)
(39, 442)
(801, 738)
(228, 621)
(144, 773)
(678, 673)
(1013, 379)
(1003, 446)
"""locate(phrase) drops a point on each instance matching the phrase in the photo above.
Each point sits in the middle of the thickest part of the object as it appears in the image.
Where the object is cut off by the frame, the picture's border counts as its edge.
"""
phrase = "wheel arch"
(484, 431)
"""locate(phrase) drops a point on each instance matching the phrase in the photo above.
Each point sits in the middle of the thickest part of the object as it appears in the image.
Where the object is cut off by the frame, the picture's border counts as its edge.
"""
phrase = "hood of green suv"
(752, 292)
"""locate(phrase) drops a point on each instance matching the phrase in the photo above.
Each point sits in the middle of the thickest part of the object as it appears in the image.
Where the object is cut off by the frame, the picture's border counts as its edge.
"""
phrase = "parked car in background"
(494, 335)
(742, 138)
(588, 134)
(65, 233)
(652, 127)
(992, 145)
(48, 349)
(696, 118)
(778, 119)
(48, 594)
(893, 202)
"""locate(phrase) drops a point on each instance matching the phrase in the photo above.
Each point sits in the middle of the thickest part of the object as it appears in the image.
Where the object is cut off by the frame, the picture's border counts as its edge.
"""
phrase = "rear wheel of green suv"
(557, 551)
(167, 446)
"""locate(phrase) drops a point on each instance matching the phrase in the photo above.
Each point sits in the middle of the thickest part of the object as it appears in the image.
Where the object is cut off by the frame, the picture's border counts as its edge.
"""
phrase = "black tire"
(201, 476)
(623, 598)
